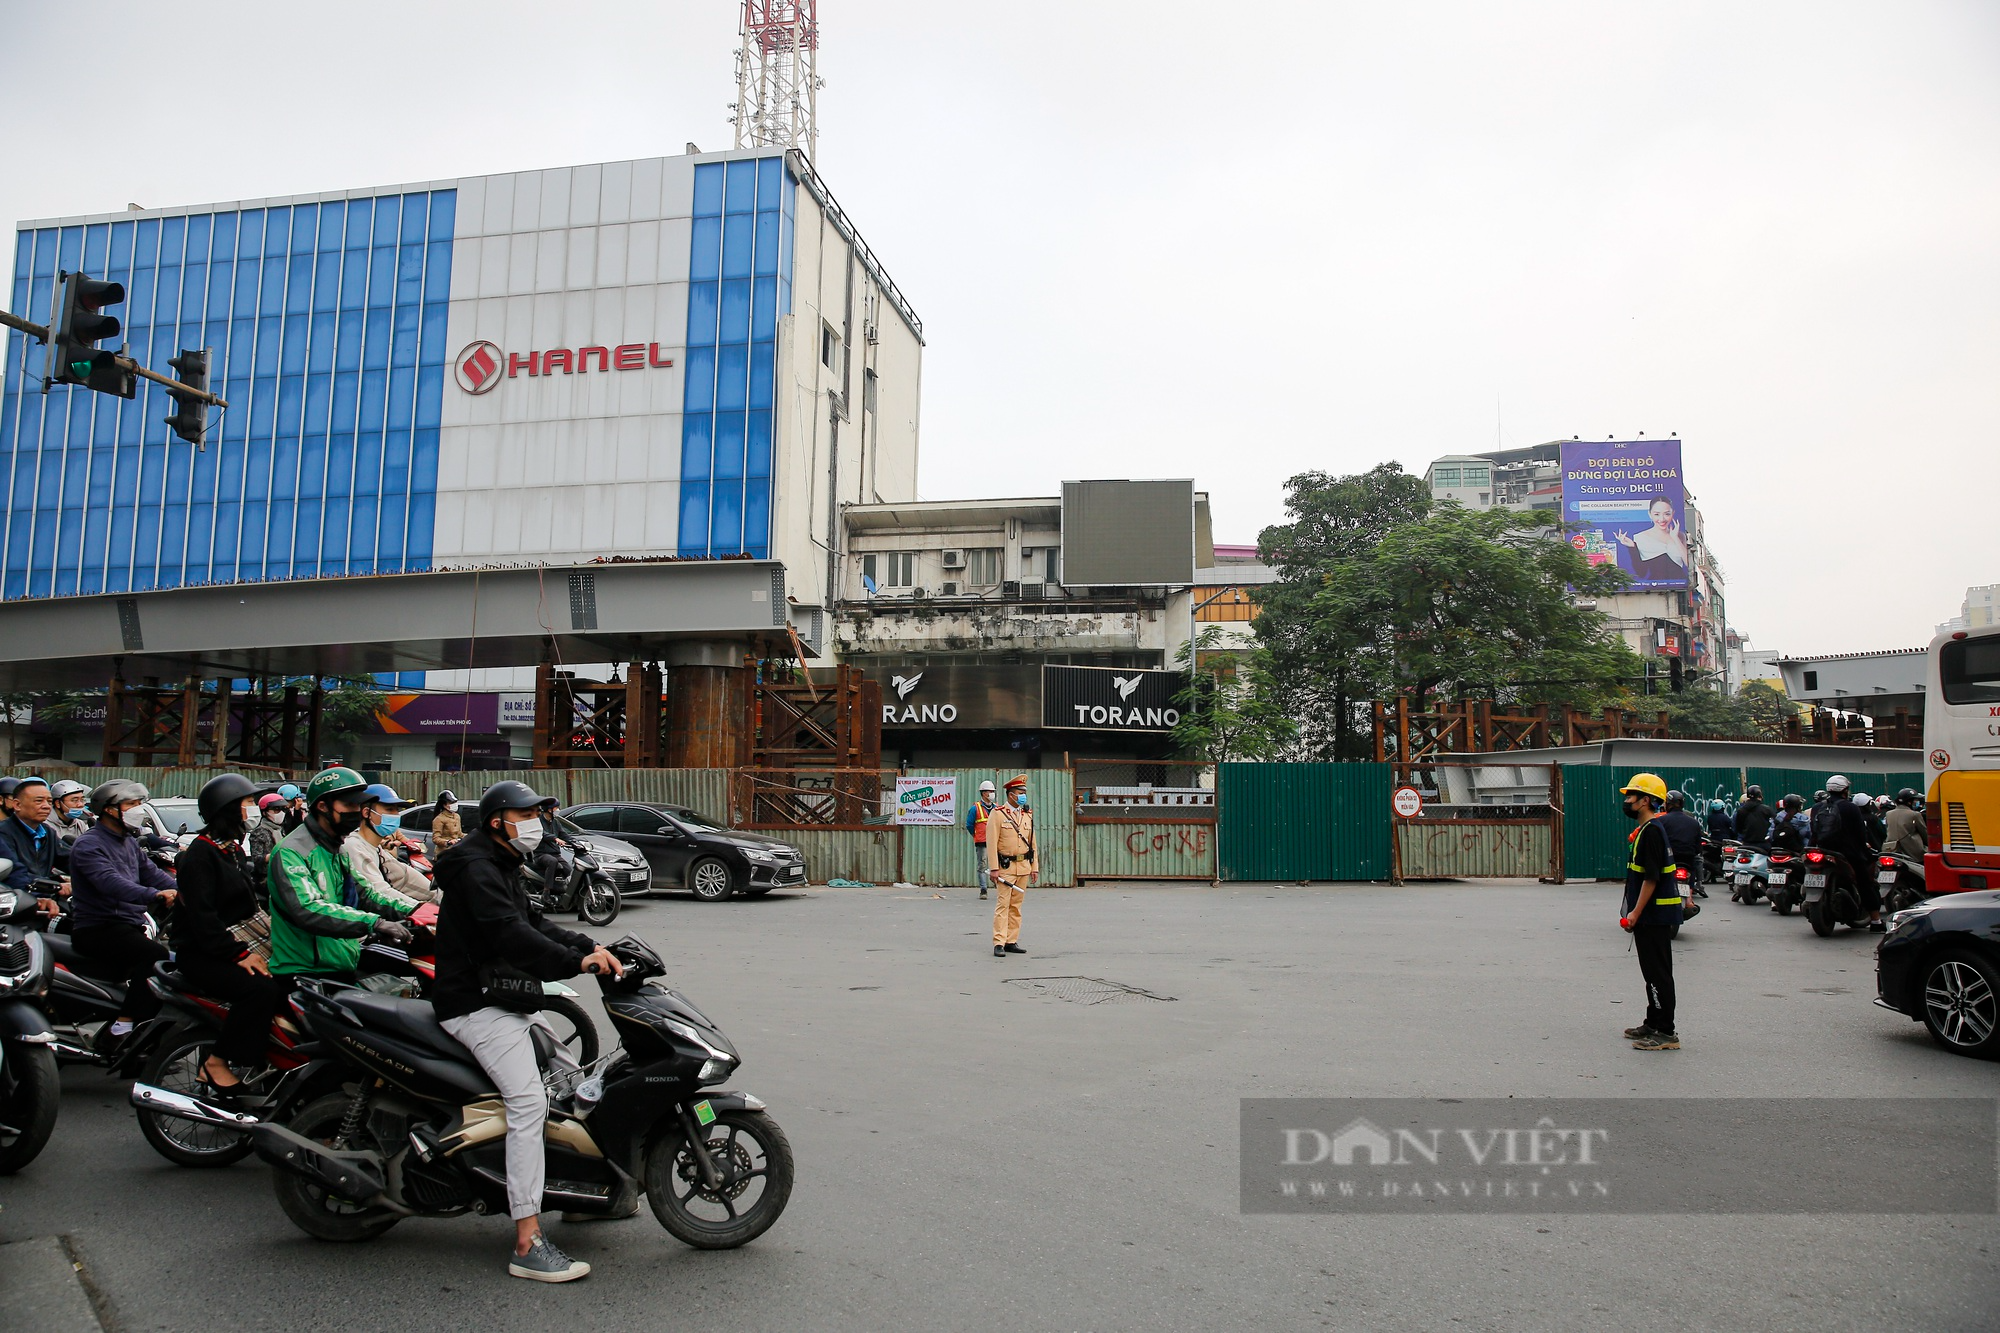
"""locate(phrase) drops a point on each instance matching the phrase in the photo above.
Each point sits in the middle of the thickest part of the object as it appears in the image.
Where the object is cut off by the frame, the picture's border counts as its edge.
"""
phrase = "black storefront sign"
(1109, 699)
(959, 696)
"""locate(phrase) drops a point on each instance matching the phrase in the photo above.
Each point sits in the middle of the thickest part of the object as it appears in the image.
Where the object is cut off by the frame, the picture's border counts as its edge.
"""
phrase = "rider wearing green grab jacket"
(321, 914)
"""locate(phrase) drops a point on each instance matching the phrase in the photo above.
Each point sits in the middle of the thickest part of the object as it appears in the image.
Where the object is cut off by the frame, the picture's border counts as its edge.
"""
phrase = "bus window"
(1969, 671)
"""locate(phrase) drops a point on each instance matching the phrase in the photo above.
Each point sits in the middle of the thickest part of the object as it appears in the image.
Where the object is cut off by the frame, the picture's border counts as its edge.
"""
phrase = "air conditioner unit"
(918, 594)
(954, 560)
(947, 590)
(1011, 589)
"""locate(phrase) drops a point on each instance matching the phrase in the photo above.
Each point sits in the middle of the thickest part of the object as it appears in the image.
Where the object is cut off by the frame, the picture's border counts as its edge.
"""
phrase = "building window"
(829, 347)
(868, 391)
(1443, 478)
(1224, 604)
(890, 569)
(1812, 680)
(1476, 476)
(982, 566)
(1054, 564)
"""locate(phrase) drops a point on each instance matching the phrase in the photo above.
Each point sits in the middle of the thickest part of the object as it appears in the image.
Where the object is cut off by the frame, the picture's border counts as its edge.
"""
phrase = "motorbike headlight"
(716, 1070)
(8, 902)
(687, 1033)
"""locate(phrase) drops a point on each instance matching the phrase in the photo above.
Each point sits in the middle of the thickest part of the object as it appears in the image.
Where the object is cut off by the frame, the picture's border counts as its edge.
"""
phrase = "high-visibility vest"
(1666, 871)
(980, 813)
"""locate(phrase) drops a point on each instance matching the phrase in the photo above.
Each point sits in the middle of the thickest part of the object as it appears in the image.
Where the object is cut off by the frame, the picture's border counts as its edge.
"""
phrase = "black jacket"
(1753, 821)
(485, 917)
(1683, 832)
(215, 894)
(33, 857)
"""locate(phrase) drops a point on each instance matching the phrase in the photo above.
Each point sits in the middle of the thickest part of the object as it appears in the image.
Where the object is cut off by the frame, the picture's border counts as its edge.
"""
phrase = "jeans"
(501, 1041)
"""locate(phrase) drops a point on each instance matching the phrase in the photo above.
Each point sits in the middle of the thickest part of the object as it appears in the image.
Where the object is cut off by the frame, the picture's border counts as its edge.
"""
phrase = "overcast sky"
(1235, 243)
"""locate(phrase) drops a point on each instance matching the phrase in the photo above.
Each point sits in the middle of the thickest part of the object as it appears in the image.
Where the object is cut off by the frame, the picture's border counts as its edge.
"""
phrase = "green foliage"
(1767, 708)
(1229, 709)
(1382, 593)
(1753, 712)
(347, 710)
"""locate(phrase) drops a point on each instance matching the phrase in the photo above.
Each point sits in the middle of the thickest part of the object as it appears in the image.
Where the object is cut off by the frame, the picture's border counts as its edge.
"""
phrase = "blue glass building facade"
(739, 284)
(327, 322)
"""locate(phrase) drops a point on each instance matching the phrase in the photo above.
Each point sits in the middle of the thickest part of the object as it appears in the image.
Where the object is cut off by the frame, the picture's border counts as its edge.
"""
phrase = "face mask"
(252, 817)
(1631, 809)
(388, 825)
(1021, 800)
(524, 838)
(346, 823)
(134, 818)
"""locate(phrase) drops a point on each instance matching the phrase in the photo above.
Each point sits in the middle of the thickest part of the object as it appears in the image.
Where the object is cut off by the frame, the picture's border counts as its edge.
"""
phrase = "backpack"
(1826, 824)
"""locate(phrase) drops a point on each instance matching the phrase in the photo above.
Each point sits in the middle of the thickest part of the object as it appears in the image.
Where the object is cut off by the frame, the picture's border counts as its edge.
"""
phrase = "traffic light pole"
(126, 363)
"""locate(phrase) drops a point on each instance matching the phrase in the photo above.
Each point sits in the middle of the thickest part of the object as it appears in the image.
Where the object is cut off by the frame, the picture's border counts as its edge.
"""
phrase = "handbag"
(254, 933)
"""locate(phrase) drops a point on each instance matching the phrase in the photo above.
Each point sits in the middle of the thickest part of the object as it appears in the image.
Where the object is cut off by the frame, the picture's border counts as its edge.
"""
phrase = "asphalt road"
(977, 1155)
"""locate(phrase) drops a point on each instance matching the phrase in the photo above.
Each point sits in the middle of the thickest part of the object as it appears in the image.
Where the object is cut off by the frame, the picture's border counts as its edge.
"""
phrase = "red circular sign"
(1940, 758)
(1408, 802)
(478, 367)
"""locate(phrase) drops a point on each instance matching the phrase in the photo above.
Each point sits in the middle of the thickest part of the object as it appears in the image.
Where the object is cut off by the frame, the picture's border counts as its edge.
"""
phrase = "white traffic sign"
(1408, 802)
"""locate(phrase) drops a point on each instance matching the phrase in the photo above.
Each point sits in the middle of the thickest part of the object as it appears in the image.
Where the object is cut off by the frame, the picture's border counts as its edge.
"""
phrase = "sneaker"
(545, 1263)
(1633, 1034)
(1658, 1041)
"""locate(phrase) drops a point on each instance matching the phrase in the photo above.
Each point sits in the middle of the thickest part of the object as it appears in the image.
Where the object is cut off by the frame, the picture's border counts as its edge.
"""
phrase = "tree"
(1230, 709)
(348, 709)
(1702, 710)
(1767, 708)
(1381, 593)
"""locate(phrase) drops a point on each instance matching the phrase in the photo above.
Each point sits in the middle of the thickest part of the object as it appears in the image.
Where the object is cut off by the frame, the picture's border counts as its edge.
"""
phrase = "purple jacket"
(110, 881)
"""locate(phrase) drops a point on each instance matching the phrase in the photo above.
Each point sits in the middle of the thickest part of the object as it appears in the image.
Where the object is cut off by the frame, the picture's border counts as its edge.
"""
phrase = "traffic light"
(79, 324)
(1676, 676)
(190, 418)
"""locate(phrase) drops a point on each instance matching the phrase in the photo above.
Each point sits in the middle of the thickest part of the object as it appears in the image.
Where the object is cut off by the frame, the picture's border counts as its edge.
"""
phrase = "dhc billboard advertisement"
(1625, 502)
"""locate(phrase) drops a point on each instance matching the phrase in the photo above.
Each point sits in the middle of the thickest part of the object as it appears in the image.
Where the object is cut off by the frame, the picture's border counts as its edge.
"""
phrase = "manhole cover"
(1084, 990)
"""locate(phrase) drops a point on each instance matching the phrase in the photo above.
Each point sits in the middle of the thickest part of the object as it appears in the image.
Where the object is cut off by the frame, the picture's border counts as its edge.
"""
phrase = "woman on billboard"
(1658, 553)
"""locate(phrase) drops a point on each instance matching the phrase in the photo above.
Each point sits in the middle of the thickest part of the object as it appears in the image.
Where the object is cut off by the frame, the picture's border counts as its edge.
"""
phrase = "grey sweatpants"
(499, 1041)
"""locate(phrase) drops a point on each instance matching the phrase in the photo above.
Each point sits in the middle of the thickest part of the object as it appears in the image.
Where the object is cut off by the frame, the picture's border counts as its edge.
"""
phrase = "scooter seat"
(97, 969)
(413, 1020)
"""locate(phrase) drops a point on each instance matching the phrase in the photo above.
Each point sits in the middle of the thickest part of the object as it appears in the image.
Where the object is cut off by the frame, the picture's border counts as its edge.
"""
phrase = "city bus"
(1962, 748)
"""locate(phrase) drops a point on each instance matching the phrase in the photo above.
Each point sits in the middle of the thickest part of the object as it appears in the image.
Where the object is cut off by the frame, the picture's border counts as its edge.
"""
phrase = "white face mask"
(524, 838)
(252, 817)
(134, 817)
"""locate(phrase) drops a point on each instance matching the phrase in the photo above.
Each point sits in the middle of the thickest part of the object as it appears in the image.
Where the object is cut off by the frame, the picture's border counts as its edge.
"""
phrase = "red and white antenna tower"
(777, 79)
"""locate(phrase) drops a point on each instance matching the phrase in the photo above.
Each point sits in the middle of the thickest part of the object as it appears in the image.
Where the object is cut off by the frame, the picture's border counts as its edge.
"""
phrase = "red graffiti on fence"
(1188, 840)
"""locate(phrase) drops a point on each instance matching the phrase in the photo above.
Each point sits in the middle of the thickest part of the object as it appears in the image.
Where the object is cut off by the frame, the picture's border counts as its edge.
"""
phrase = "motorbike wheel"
(28, 1104)
(1820, 914)
(573, 1026)
(314, 1211)
(599, 902)
(710, 880)
(1783, 906)
(177, 1068)
(755, 1158)
(1962, 1004)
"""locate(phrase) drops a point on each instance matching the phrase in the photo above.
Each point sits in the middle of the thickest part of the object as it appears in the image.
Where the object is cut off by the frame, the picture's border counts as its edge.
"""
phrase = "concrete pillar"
(707, 693)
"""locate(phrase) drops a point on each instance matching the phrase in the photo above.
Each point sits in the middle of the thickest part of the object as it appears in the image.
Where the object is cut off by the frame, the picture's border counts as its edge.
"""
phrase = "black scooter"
(582, 887)
(421, 1131)
(30, 1088)
(1831, 896)
(1901, 879)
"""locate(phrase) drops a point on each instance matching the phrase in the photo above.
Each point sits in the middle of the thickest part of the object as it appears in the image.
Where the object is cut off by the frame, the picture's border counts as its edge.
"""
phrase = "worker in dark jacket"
(31, 842)
(487, 935)
(216, 893)
(113, 883)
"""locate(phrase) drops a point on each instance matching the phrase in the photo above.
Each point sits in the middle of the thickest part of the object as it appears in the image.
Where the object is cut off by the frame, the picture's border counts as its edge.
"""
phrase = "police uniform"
(1651, 858)
(1010, 862)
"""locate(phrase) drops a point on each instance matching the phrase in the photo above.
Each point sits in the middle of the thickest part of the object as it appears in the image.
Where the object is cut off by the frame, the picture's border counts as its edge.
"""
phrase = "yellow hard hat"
(1647, 784)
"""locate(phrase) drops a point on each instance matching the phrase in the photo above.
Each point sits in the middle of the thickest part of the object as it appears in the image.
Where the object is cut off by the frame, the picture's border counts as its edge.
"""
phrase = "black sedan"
(1940, 964)
(688, 850)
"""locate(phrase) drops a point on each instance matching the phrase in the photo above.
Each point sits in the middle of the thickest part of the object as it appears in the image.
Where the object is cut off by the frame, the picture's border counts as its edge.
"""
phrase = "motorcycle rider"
(216, 893)
(370, 849)
(320, 913)
(28, 840)
(1721, 827)
(263, 839)
(1788, 830)
(446, 830)
(488, 935)
(1905, 834)
(295, 807)
(71, 820)
(1753, 817)
(113, 883)
(1840, 827)
(1683, 832)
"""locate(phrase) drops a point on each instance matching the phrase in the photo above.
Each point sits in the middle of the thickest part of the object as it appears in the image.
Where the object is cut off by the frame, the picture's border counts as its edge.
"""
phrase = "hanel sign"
(479, 364)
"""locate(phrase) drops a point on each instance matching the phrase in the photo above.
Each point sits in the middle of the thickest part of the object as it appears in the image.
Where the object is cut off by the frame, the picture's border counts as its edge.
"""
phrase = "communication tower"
(777, 80)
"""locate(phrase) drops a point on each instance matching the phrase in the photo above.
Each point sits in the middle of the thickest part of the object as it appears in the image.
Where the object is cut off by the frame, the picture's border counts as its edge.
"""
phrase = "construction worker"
(1010, 863)
(975, 824)
(1651, 911)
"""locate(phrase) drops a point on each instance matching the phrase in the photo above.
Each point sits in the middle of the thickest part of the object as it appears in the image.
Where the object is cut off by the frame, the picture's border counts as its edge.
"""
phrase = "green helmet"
(332, 782)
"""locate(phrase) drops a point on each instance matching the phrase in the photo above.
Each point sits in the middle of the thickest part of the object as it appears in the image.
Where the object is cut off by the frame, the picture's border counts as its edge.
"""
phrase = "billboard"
(1624, 503)
(1107, 698)
(1127, 533)
(412, 714)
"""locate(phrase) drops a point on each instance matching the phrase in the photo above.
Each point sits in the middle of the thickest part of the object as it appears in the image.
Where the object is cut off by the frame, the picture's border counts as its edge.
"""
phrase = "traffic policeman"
(1010, 862)
(1652, 910)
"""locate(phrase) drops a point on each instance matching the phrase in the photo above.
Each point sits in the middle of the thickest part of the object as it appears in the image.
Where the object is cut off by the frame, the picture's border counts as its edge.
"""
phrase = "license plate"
(640, 877)
(1742, 881)
(1815, 881)
(792, 872)
(1885, 877)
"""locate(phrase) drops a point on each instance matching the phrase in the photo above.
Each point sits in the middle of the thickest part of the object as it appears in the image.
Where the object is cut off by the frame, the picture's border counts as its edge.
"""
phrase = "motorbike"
(1684, 880)
(1713, 859)
(583, 888)
(419, 1131)
(1831, 896)
(85, 995)
(30, 1087)
(1750, 873)
(1901, 879)
(1783, 884)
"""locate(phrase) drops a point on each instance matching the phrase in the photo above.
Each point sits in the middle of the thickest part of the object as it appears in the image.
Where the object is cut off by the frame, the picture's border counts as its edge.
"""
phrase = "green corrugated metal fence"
(1142, 848)
(943, 856)
(867, 855)
(1303, 821)
(1473, 849)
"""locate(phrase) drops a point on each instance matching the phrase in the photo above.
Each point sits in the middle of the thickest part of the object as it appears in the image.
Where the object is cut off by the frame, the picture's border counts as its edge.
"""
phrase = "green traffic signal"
(79, 324)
